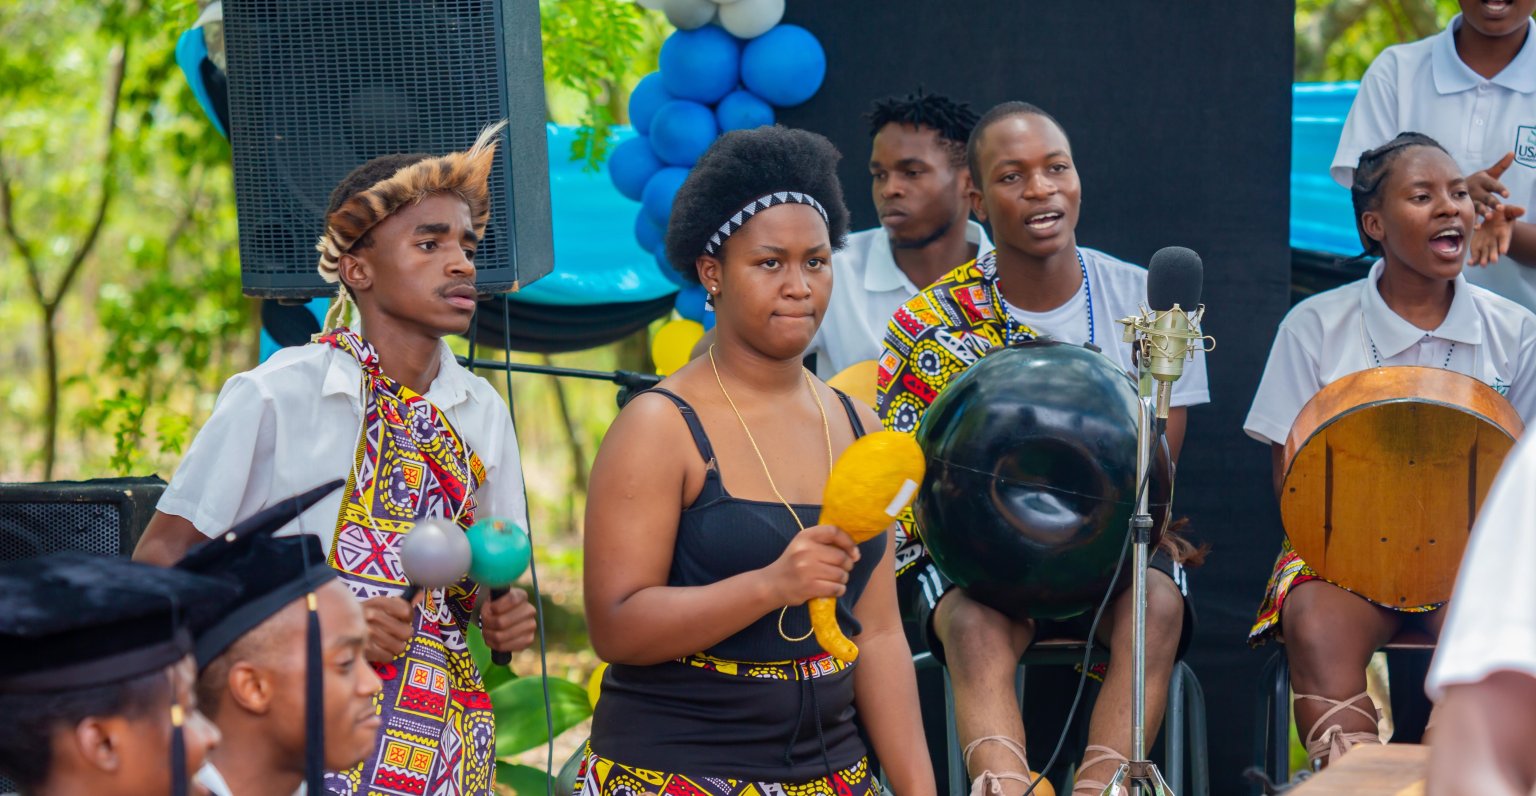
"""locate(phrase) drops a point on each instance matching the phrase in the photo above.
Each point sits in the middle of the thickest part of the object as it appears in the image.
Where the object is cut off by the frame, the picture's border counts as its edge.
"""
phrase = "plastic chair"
(1184, 728)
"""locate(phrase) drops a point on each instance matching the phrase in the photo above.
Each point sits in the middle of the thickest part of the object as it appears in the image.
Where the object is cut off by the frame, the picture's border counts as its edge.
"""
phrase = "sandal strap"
(988, 783)
(1003, 740)
(1326, 742)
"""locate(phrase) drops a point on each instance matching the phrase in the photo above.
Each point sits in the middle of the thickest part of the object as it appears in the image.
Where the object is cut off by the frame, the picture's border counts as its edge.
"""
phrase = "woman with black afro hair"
(702, 546)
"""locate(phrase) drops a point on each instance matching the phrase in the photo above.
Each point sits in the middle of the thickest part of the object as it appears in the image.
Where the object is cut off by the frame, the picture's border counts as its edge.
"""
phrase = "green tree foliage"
(1338, 39)
(118, 239)
(594, 53)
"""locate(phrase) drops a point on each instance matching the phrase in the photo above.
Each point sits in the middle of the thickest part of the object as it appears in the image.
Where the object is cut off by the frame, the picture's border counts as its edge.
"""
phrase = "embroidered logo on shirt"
(1525, 146)
(1500, 386)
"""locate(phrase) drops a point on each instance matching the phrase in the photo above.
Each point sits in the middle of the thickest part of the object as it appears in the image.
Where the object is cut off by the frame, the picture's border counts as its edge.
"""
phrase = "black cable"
(1093, 628)
(533, 567)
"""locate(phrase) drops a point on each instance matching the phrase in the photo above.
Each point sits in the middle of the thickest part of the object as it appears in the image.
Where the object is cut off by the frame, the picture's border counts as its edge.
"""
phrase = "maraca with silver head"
(434, 554)
(499, 554)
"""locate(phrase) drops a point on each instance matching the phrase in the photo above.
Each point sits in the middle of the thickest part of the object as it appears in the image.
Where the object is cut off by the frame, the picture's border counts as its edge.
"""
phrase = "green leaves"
(524, 780)
(596, 50)
(519, 708)
(518, 703)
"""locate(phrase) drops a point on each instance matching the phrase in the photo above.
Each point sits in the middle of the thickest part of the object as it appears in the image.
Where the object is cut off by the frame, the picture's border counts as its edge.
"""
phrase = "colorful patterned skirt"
(599, 776)
(1291, 571)
(602, 776)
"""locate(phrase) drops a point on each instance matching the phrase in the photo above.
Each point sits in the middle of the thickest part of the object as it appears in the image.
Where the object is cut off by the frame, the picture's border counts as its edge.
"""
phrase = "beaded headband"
(754, 207)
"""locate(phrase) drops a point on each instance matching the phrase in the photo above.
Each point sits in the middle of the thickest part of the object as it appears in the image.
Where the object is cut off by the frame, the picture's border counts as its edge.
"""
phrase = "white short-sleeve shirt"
(1351, 328)
(1424, 87)
(867, 288)
(1491, 624)
(292, 424)
(1119, 289)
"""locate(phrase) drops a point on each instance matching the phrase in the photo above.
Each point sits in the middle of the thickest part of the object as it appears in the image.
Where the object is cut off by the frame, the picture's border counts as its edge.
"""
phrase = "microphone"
(1174, 278)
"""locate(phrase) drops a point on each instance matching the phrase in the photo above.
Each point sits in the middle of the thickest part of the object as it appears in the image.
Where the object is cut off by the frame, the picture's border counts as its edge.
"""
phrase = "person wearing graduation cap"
(417, 436)
(288, 711)
(96, 676)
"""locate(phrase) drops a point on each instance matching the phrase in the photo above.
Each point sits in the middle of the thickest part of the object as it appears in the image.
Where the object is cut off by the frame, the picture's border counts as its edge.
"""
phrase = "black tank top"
(681, 718)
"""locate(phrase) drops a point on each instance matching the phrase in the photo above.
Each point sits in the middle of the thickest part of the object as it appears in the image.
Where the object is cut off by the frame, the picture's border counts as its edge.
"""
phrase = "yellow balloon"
(875, 478)
(858, 380)
(595, 684)
(673, 343)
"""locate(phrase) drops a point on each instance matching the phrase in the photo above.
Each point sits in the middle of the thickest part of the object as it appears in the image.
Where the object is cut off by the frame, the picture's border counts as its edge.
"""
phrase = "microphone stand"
(1138, 771)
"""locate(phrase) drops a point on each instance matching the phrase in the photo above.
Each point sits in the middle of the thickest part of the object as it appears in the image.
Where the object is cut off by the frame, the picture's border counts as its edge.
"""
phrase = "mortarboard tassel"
(178, 747)
(314, 703)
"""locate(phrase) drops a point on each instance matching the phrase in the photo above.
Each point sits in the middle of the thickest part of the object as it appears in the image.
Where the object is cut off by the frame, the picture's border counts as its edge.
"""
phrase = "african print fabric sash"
(437, 733)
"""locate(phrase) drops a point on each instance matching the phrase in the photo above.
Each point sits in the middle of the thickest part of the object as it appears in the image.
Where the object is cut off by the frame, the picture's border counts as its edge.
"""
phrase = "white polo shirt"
(1351, 328)
(292, 424)
(1491, 624)
(867, 288)
(1119, 289)
(1424, 87)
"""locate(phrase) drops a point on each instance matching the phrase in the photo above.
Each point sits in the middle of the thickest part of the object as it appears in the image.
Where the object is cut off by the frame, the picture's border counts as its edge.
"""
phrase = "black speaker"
(315, 89)
(104, 516)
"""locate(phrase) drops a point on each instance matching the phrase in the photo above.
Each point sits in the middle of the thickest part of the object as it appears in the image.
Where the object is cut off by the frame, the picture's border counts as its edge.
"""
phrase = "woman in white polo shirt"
(1472, 87)
(1415, 308)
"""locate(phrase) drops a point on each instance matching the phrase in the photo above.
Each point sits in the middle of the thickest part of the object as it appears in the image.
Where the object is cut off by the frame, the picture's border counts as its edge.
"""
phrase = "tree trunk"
(572, 435)
(51, 408)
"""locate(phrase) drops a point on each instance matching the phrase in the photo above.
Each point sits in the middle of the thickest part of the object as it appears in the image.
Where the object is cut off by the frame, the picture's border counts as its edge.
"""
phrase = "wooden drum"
(1385, 470)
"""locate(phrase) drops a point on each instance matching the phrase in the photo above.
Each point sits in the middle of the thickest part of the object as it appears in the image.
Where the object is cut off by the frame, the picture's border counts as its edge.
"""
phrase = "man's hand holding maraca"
(509, 622)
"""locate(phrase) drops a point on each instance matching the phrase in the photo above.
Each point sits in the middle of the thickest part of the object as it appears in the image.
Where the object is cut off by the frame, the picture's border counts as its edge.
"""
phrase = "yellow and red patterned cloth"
(437, 733)
(932, 339)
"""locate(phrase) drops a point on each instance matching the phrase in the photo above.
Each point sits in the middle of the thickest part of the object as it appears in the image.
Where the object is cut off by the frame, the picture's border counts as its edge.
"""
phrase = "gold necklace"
(826, 431)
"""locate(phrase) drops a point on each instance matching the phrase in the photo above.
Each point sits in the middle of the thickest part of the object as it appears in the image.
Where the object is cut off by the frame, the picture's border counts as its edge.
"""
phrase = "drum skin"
(1031, 479)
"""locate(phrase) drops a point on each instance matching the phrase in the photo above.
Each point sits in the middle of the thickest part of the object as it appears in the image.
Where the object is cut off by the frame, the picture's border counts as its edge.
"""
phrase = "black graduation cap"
(72, 620)
(272, 572)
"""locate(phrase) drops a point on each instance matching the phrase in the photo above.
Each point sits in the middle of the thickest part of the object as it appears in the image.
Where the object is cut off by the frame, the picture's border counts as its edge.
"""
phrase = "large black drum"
(1031, 478)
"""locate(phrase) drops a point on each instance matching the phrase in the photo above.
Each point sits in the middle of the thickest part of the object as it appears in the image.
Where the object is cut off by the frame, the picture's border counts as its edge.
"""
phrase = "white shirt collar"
(1393, 335)
(881, 273)
(450, 388)
(1452, 75)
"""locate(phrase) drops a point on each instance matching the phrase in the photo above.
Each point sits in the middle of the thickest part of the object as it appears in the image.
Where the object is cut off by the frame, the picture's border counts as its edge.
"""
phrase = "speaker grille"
(34, 528)
(318, 88)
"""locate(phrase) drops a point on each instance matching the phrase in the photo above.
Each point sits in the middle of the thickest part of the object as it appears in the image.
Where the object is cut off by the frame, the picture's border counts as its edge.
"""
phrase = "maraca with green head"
(499, 554)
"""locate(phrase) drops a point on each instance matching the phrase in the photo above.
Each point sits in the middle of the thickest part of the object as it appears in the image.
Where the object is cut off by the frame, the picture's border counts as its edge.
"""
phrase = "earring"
(709, 299)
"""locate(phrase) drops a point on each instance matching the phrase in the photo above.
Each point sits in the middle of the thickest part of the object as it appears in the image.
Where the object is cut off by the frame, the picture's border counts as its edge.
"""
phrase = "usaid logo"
(1525, 146)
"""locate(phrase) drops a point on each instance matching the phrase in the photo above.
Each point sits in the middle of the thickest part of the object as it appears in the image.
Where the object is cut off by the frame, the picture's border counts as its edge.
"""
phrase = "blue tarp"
(1322, 218)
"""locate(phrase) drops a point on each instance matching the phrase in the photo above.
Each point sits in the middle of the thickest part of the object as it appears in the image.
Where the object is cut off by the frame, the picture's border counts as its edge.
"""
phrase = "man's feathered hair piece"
(463, 174)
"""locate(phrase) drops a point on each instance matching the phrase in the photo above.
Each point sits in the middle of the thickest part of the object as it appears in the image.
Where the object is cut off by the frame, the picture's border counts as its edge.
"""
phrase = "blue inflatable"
(632, 165)
(647, 234)
(681, 131)
(649, 95)
(690, 303)
(784, 66)
(595, 261)
(702, 65)
(742, 110)
(666, 268)
(1322, 215)
(659, 192)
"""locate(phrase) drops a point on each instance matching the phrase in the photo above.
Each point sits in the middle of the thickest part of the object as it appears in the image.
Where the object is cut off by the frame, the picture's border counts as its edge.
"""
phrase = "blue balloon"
(632, 165)
(742, 110)
(681, 131)
(690, 303)
(647, 234)
(649, 94)
(666, 267)
(784, 66)
(709, 321)
(702, 65)
(658, 193)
